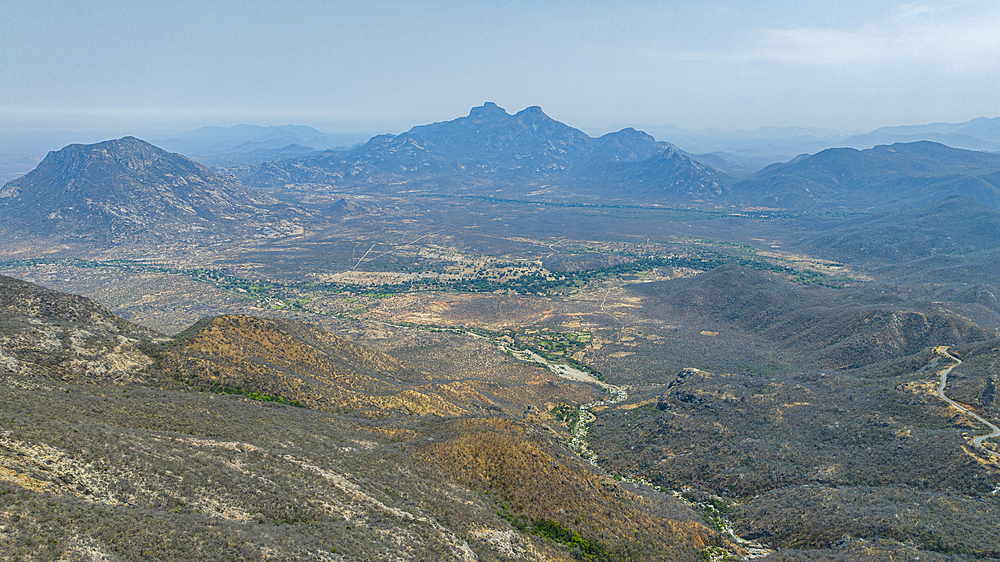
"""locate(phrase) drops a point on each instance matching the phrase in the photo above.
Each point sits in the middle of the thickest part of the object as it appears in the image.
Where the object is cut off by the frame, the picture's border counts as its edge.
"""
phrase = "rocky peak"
(488, 110)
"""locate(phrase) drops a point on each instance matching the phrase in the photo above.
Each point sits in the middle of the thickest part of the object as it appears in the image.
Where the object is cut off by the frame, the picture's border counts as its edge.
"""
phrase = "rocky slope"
(95, 464)
(128, 189)
(300, 362)
(68, 338)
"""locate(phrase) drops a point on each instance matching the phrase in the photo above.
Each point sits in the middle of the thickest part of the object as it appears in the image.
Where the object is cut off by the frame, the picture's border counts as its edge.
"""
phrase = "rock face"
(120, 189)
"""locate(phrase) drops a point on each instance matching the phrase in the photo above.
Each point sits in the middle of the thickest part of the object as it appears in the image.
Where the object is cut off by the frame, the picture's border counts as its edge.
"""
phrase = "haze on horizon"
(383, 67)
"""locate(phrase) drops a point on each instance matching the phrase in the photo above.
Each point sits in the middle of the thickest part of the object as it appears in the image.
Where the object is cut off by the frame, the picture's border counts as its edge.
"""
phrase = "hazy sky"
(384, 66)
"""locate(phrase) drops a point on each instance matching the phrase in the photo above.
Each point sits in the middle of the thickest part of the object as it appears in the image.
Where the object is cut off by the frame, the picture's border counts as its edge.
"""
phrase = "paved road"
(978, 441)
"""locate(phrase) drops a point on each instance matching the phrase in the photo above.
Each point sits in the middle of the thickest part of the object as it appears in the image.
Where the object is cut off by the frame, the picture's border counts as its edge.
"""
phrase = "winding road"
(978, 441)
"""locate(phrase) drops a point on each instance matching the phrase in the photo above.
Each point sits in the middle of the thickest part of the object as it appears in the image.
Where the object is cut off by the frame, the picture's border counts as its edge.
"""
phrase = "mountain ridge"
(902, 174)
(518, 152)
(981, 133)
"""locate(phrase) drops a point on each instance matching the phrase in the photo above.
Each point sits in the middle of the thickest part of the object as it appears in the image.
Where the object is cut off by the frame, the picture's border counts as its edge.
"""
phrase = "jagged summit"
(491, 140)
(534, 111)
(488, 110)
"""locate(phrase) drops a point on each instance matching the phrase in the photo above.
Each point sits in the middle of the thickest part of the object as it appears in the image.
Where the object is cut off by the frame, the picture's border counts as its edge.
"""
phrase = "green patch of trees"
(590, 550)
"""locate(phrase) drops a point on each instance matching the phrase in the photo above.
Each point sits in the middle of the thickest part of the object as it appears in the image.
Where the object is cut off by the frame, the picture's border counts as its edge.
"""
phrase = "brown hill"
(843, 328)
(536, 480)
(303, 363)
(130, 465)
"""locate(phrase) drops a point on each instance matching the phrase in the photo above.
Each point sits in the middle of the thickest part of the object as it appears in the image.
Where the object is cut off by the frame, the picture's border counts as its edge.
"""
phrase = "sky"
(384, 66)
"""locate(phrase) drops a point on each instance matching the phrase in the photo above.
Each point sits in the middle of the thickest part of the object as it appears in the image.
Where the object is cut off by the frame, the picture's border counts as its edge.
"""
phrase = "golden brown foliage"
(300, 362)
(521, 467)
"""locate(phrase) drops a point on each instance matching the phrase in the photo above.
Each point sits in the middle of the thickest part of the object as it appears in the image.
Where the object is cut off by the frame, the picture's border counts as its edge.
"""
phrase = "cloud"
(911, 34)
(910, 11)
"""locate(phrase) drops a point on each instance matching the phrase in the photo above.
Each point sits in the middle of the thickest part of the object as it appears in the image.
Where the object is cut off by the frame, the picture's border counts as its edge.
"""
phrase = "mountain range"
(412, 350)
(522, 152)
(981, 133)
(767, 145)
(530, 153)
(210, 142)
(118, 190)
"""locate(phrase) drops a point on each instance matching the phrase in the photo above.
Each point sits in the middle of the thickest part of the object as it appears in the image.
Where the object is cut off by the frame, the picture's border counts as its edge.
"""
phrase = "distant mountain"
(674, 176)
(518, 152)
(491, 140)
(255, 156)
(884, 177)
(978, 134)
(120, 189)
(616, 151)
(751, 150)
(385, 159)
(247, 138)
